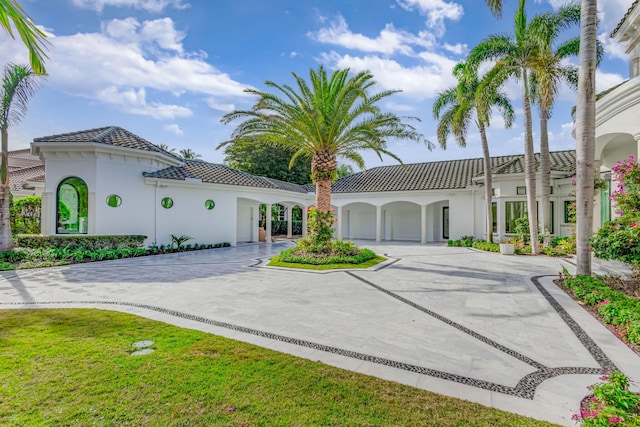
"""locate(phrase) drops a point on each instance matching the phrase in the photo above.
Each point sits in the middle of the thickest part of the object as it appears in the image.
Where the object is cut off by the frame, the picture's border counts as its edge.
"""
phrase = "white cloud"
(173, 128)
(399, 107)
(612, 49)
(605, 81)
(135, 102)
(417, 82)
(217, 105)
(458, 48)
(389, 41)
(155, 6)
(436, 12)
(132, 65)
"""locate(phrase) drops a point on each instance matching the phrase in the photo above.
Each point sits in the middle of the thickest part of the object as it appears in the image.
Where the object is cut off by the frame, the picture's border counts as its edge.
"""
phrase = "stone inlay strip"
(585, 339)
(456, 325)
(487, 385)
(525, 388)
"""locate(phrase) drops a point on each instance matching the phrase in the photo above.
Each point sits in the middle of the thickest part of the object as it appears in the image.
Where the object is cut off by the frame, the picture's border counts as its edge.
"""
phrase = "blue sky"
(168, 70)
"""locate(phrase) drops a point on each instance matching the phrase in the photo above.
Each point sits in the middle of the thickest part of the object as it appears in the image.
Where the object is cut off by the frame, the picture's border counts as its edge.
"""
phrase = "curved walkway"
(479, 326)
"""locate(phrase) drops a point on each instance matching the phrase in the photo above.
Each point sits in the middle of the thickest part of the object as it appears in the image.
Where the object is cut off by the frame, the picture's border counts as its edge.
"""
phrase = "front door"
(445, 222)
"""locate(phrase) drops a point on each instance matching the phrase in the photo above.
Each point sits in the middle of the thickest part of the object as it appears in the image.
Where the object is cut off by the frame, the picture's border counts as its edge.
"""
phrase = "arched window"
(73, 206)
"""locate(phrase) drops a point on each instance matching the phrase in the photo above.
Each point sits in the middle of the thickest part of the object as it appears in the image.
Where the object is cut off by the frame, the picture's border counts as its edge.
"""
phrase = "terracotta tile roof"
(19, 177)
(624, 18)
(110, 135)
(220, 174)
(443, 175)
(19, 159)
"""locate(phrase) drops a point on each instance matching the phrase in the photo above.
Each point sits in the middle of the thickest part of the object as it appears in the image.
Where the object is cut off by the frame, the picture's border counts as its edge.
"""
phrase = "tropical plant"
(32, 37)
(25, 215)
(18, 85)
(586, 134)
(465, 103)
(344, 170)
(333, 115)
(166, 148)
(549, 70)
(256, 158)
(178, 241)
(495, 6)
(515, 57)
(189, 154)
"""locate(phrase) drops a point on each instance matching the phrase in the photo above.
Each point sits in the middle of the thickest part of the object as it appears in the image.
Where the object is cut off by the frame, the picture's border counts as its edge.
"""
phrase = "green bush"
(340, 252)
(464, 242)
(619, 240)
(612, 403)
(483, 245)
(615, 307)
(25, 215)
(84, 242)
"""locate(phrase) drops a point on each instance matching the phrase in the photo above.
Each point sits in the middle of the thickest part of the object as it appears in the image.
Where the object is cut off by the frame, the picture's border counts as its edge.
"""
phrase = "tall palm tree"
(548, 71)
(586, 134)
(513, 56)
(495, 6)
(18, 85)
(32, 37)
(333, 115)
(166, 148)
(189, 154)
(465, 103)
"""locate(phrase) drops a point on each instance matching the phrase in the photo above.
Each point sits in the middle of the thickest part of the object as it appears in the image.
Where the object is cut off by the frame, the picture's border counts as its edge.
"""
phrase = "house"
(26, 173)
(110, 181)
(618, 113)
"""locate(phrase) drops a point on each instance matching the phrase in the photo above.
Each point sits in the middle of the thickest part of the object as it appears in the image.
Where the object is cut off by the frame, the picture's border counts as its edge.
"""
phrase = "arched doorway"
(72, 213)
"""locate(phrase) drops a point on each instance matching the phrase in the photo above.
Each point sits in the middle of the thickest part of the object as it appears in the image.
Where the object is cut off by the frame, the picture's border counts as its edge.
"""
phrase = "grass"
(72, 367)
(275, 262)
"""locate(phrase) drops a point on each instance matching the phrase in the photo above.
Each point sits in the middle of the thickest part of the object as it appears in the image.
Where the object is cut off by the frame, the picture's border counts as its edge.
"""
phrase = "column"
(289, 222)
(636, 136)
(267, 230)
(48, 217)
(423, 224)
(305, 216)
(339, 223)
(378, 223)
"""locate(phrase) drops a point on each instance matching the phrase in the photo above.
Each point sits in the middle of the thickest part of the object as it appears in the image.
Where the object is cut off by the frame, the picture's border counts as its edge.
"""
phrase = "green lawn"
(72, 367)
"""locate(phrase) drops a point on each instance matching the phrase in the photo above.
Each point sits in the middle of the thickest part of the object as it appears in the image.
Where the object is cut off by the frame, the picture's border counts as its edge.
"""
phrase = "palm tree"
(495, 6)
(586, 134)
(548, 72)
(514, 56)
(166, 148)
(332, 116)
(189, 154)
(465, 103)
(18, 85)
(32, 37)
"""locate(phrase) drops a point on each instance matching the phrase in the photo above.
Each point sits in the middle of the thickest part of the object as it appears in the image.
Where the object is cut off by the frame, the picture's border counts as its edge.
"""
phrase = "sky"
(168, 70)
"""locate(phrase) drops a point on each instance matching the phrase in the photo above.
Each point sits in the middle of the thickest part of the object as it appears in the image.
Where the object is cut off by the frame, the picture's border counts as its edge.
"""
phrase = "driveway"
(474, 325)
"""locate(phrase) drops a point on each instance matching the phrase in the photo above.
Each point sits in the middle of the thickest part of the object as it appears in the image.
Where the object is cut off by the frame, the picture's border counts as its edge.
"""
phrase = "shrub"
(25, 215)
(320, 227)
(79, 241)
(615, 307)
(618, 239)
(611, 403)
(337, 252)
(483, 245)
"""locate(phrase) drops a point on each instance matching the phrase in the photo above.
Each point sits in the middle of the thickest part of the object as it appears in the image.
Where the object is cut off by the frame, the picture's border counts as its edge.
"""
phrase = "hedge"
(79, 241)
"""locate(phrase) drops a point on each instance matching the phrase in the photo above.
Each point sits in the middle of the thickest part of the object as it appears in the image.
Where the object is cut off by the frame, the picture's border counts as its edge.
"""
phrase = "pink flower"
(634, 224)
(229, 409)
(615, 420)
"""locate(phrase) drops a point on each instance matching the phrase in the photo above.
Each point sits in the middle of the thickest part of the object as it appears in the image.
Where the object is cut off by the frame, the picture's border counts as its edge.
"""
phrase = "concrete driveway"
(479, 326)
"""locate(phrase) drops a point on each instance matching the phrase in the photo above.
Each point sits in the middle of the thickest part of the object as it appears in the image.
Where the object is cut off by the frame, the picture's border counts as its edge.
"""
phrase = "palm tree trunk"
(529, 164)
(6, 239)
(545, 176)
(585, 135)
(323, 195)
(488, 190)
(323, 169)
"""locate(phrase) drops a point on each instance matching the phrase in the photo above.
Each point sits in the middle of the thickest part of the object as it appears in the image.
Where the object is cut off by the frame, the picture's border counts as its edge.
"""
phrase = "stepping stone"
(142, 352)
(143, 344)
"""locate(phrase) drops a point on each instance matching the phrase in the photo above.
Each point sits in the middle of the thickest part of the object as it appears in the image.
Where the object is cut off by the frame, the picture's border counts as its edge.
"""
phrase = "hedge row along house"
(110, 181)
